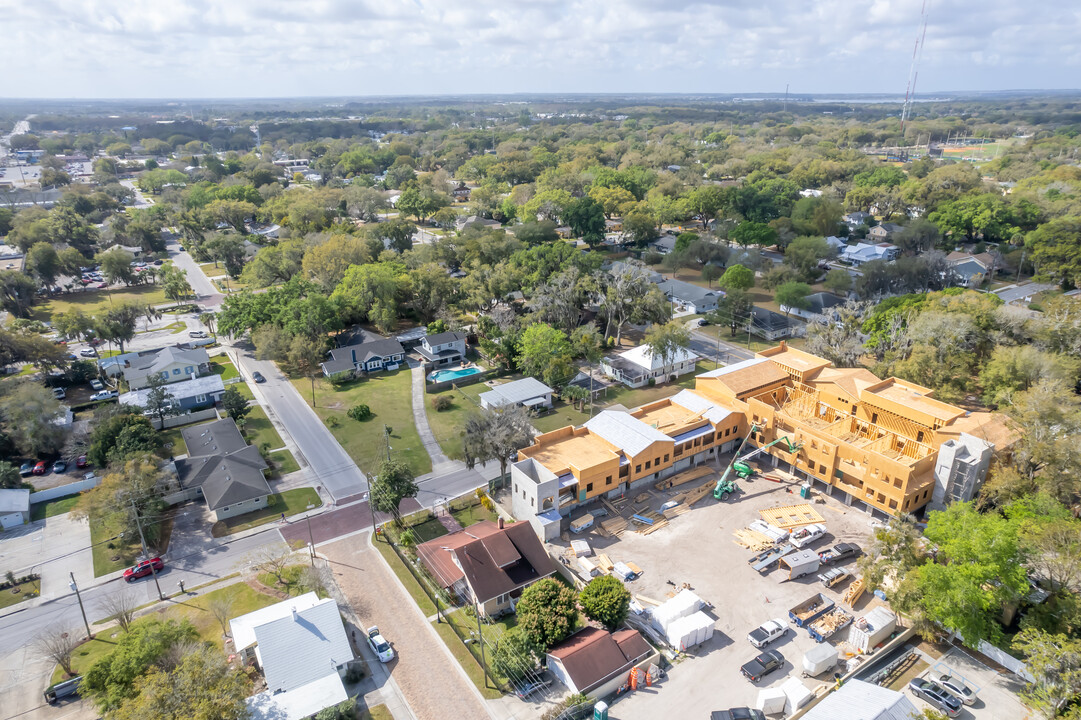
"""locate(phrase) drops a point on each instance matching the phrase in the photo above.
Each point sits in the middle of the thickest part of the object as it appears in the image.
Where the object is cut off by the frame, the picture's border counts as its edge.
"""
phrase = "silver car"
(958, 688)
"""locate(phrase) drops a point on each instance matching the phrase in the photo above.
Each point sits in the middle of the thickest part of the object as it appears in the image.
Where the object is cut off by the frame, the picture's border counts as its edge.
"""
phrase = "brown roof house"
(488, 564)
(597, 662)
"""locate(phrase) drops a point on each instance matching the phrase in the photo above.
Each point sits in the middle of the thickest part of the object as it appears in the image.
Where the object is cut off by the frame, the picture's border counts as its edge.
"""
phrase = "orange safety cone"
(634, 679)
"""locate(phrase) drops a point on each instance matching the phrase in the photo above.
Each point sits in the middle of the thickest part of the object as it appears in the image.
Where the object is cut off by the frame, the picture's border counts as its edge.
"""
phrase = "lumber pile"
(831, 622)
(698, 493)
(752, 540)
(649, 521)
(614, 526)
(684, 477)
(642, 497)
(676, 511)
(855, 590)
(791, 516)
(603, 563)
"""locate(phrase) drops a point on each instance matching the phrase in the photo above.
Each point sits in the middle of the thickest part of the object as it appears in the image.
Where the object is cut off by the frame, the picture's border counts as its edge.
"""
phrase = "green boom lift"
(726, 487)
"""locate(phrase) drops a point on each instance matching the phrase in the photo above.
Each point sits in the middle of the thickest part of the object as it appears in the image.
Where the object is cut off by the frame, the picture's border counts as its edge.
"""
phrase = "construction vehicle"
(726, 487)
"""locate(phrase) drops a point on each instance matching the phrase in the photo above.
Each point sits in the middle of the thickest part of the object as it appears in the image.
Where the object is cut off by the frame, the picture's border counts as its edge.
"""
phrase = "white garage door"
(11, 520)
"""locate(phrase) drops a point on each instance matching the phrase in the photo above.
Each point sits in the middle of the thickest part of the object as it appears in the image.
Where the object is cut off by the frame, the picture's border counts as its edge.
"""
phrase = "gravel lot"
(427, 674)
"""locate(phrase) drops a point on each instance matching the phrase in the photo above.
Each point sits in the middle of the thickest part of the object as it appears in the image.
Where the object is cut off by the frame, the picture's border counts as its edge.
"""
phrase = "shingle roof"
(593, 655)
(298, 650)
(765, 319)
(517, 391)
(821, 301)
(213, 438)
(152, 361)
(345, 358)
(627, 433)
(687, 292)
(444, 337)
(225, 478)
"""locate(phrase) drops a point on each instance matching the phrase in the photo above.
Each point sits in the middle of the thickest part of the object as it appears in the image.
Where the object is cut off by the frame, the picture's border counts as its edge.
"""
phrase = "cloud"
(208, 48)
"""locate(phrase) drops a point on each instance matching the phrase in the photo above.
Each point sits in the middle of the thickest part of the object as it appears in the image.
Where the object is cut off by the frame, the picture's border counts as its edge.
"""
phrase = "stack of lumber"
(610, 507)
(752, 540)
(855, 590)
(683, 477)
(698, 493)
(831, 622)
(649, 521)
(791, 516)
(676, 511)
(642, 497)
(603, 563)
(614, 526)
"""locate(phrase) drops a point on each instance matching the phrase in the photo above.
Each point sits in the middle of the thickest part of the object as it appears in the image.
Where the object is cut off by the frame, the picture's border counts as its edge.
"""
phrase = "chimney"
(500, 522)
(294, 614)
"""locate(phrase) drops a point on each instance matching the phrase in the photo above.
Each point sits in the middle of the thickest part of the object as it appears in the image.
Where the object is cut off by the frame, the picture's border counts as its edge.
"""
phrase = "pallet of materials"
(603, 563)
(826, 626)
(684, 477)
(614, 526)
(752, 540)
(791, 516)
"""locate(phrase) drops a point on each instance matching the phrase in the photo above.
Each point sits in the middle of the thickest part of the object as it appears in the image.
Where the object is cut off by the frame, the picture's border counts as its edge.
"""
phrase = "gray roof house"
(373, 356)
(303, 650)
(695, 298)
(222, 468)
(443, 348)
(14, 508)
(663, 245)
(883, 232)
(172, 363)
(189, 394)
(767, 324)
(855, 219)
(820, 304)
(528, 392)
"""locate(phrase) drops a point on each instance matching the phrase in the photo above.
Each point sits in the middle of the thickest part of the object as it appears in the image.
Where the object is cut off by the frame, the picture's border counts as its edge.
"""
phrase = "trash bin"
(805, 490)
(600, 711)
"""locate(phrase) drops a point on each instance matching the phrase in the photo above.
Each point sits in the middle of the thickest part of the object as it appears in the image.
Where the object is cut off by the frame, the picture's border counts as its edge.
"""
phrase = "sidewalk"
(440, 462)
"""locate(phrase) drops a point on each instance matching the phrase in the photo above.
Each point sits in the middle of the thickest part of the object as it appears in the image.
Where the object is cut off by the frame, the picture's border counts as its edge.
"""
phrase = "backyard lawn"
(26, 591)
(447, 424)
(97, 301)
(283, 462)
(258, 429)
(194, 609)
(388, 395)
(49, 508)
(220, 365)
(289, 502)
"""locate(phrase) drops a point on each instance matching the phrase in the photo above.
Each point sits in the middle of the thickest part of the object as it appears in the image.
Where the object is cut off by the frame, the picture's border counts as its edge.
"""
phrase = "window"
(637, 469)
(666, 457)
(648, 462)
(200, 398)
(897, 482)
(881, 498)
(165, 375)
(530, 502)
(821, 469)
(176, 371)
(188, 369)
(726, 430)
(589, 487)
(608, 480)
(893, 504)
(874, 418)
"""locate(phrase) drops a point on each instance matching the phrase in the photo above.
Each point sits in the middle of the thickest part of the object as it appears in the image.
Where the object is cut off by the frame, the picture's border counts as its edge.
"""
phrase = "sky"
(291, 48)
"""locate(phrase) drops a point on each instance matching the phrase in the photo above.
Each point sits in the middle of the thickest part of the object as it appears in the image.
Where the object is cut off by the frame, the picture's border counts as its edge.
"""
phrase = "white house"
(692, 298)
(443, 348)
(820, 305)
(861, 253)
(528, 392)
(855, 219)
(301, 646)
(637, 366)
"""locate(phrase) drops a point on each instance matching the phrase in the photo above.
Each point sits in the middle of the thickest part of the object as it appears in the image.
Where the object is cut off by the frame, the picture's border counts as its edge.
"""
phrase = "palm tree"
(151, 313)
(576, 395)
(210, 321)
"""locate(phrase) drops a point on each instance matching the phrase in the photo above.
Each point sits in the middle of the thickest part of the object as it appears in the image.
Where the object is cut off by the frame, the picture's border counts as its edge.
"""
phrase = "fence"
(63, 490)
(1005, 660)
(439, 387)
(185, 419)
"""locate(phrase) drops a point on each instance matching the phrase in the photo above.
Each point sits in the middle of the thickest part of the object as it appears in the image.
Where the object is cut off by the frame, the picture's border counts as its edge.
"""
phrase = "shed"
(800, 563)
(819, 659)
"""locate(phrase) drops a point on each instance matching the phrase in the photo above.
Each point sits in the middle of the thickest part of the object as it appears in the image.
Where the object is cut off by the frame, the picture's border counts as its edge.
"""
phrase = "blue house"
(373, 356)
(186, 395)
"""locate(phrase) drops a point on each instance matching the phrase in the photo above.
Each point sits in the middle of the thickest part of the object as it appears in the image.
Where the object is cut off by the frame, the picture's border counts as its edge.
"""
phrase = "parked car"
(379, 645)
(157, 262)
(93, 342)
(104, 395)
(767, 632)
(742, 713)
(807, 534)
(87, 352)
(102, 285)
(26, 469)
(258, 377)
(957, 688)
(197, 334)
(97, 384)
(60, 466)
(144, 568)
(41, 468)
(81, 462)
(935, 695)
(59, 393)
(762, 665)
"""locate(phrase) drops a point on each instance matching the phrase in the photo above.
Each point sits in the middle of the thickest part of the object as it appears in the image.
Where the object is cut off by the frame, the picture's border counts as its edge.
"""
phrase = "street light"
(79, 597)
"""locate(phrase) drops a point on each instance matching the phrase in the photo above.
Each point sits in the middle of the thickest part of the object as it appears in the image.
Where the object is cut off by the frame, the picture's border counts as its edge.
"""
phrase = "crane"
(726, 487)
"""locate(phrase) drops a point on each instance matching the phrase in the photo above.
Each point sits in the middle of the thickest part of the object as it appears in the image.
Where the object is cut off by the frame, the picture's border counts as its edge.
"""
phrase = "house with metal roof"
(184, 396)
(488, 564)
(367, 357)
(637, 366)
(860, 700)
(527, 392)
(861, 253)
(222, 468)
(689, 297)
(301, 646)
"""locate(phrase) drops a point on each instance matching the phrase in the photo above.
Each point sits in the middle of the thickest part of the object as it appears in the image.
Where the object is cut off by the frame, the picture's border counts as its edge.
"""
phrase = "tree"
(793, 295)
(17, 292)
(305, 356)
(112, 680)
(114, 437)
(585, 216)
(753, 233)
(364, 202)
(547, 612)
(606, 600)
(804, 254)
(629, 297)
(73, 325)
(838, 281)
(666, 341)
(174, 282)
(733, 310)
(496, 434)
(421, 203)
(201, 687)
(640, 227)
(737, 277)
(120, 605)
(159, 401)
(9, 475)
(1014, 368)
(516, 656)
(393, 483)
(132, 490)
(1055, 662)
(273, 559)
(544, 351)
(43, 262)
(57, 644)
(326, 263)
(611, 199)
(234, 403)
(840, 338)
(228, 250)
(116, 266)
(895, 549)
(706, 202)
(540, 232)
(117, 324)
(29, 413)
(397, 233)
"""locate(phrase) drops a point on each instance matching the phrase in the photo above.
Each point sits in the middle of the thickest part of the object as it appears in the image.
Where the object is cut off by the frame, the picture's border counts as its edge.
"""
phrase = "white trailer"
(872, 629)
(800, 563)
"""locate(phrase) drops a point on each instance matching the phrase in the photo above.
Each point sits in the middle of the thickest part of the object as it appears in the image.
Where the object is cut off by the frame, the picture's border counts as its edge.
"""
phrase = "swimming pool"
(445, 375)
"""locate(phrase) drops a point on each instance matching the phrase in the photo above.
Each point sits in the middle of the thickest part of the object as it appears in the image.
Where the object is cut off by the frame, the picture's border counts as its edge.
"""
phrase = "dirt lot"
(699, 548)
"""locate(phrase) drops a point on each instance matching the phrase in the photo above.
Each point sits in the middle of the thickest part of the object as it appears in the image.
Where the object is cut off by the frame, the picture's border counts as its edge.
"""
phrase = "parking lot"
(698, 549)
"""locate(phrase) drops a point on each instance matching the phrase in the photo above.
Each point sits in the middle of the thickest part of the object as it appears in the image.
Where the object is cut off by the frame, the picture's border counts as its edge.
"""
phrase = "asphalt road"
(723, 352)
(205, 292)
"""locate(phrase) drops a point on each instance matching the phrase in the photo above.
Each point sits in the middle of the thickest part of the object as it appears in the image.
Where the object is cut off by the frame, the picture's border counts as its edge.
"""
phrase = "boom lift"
(726, 487)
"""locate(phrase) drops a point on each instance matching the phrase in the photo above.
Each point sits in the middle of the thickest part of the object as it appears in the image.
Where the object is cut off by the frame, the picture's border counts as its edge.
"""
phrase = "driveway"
(429, 678)
(61, 539)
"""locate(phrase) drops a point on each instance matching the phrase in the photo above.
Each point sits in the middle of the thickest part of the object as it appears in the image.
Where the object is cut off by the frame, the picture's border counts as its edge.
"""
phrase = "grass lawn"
(220, 365)
(258, 429)
(110, 559)
(283, 462)
(473, 514)
(468, 624)
(193, 609)
(447, 424)
(289, 502)
(292, 581)
(379, 712)
(26, 591)
(49, 508)
(97, 301)
(389, 397)
(212, 270)
(245, 391)
(405, 577)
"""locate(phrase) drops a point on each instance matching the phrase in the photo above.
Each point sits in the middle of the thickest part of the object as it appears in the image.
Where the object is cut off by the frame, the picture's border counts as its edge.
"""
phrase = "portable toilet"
(805, 490)
(600, 711)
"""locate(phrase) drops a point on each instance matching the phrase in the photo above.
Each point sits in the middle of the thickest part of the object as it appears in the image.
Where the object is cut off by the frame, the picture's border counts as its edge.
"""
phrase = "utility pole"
(79, 597)
(311, 540)
(142, 541)
(386, 438)
(480, 639)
